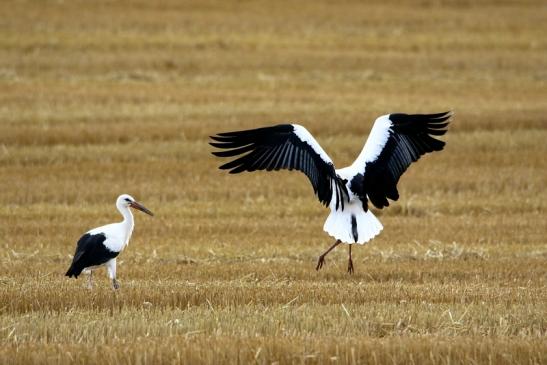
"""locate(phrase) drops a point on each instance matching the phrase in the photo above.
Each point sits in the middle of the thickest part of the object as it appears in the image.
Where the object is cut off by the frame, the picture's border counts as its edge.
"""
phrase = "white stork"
(100, 246)
(395, 141)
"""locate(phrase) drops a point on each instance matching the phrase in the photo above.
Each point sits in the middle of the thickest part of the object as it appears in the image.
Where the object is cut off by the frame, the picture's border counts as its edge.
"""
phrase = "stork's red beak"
(140, 207)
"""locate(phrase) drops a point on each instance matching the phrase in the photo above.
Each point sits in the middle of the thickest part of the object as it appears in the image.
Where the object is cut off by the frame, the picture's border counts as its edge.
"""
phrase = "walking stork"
(395, 141)
(100, 246)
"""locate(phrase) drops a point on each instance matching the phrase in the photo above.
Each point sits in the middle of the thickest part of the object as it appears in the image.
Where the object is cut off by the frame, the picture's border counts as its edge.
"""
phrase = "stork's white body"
(352, 224)
(339, 222)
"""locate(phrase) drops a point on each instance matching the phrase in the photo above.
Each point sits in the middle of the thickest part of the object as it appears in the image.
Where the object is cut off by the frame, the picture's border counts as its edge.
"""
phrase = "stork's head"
(126, 201)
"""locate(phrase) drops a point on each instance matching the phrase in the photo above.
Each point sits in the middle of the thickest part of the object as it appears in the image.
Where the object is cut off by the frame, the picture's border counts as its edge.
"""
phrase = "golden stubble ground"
(106, 97)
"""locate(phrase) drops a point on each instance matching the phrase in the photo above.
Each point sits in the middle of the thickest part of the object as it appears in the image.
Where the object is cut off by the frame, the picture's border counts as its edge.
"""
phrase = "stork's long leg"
(90, 280)
(111, 268)
(350, 262)
(321, 260)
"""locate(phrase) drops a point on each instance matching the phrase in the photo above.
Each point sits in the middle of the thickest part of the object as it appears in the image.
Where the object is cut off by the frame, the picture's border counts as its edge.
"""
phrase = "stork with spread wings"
(395, 141)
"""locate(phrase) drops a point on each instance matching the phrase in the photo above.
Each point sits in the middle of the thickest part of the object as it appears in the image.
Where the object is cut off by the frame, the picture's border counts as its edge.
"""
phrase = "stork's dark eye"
(128, 200)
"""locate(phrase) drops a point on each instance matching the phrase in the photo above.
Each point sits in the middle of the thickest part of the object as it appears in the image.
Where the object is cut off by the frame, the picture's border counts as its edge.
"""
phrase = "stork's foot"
(320, 262)
(115, 284)
(350, 266)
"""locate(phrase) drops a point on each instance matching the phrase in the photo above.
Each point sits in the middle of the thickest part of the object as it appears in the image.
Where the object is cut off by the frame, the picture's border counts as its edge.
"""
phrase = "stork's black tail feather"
(73, 272)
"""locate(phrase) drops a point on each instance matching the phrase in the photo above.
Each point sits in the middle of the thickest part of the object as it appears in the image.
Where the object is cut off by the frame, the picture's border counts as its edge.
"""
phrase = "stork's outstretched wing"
(284, 146)
(395, 141)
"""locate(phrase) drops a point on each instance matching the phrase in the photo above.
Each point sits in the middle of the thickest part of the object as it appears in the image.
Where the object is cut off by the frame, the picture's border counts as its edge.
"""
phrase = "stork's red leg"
(350, 262)
(321, 260)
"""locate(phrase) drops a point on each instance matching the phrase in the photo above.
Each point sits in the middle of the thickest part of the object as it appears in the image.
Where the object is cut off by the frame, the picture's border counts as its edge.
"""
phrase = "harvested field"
(99, 98)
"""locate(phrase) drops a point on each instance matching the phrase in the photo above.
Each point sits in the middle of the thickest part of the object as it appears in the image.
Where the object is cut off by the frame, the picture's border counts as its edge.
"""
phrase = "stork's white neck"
(127, 223)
